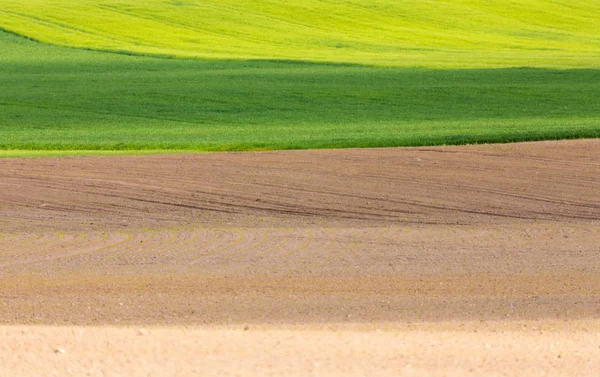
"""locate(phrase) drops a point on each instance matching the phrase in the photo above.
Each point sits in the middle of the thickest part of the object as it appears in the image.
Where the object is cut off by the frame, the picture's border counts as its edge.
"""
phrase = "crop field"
(313, 247)
(441, 33)
(58, 99)
(272, 75)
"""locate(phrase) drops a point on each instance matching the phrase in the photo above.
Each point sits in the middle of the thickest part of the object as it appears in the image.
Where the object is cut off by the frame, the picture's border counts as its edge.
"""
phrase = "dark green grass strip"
(62, 99)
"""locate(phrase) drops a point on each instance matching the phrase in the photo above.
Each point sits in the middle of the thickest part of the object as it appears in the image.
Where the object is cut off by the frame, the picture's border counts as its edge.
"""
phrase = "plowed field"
(500, 234)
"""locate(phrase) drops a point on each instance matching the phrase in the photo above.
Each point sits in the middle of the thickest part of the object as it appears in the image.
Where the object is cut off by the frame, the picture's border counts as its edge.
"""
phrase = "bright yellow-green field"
(434, 33)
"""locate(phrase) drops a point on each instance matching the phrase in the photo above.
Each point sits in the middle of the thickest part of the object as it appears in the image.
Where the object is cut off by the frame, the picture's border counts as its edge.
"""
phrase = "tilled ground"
(492, 233)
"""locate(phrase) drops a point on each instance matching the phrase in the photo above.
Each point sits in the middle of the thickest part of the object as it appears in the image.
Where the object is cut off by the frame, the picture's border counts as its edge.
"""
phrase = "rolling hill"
(274, 75)
(434, 33)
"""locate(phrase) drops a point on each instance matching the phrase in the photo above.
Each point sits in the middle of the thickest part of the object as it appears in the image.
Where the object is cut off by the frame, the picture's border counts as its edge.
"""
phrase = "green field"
(432, 33)
(262, 79)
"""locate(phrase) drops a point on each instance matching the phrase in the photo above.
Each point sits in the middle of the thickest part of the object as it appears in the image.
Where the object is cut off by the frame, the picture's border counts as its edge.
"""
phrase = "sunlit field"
(274, 75)
(448, 34)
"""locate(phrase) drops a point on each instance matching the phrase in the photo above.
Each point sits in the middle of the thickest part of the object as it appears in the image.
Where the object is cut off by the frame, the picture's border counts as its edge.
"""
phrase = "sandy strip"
(516, 349)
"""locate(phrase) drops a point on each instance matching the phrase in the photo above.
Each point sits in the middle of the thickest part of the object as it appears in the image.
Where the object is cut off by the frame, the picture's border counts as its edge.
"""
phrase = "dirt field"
(454, 245)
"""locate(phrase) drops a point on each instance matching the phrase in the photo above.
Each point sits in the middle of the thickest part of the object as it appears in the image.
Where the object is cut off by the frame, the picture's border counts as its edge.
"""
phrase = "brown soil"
(473, 234)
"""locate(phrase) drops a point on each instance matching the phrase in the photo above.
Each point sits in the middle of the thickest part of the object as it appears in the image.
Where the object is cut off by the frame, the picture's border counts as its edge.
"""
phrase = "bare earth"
(447, 261)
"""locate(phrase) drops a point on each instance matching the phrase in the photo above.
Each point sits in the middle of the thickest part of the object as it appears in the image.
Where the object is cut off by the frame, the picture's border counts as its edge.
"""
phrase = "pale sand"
(504, 349)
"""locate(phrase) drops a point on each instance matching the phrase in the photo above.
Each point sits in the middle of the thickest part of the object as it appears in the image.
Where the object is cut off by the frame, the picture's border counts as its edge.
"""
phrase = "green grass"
(60, 99)
(81, 153)
(277, 75)
(407, 33)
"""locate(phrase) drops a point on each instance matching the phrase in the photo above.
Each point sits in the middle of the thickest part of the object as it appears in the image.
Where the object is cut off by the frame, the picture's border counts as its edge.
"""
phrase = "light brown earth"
(474, 259)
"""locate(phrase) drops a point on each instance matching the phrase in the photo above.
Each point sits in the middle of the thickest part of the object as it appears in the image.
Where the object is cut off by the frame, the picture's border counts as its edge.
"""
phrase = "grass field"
(246, 96)
(438, 33)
